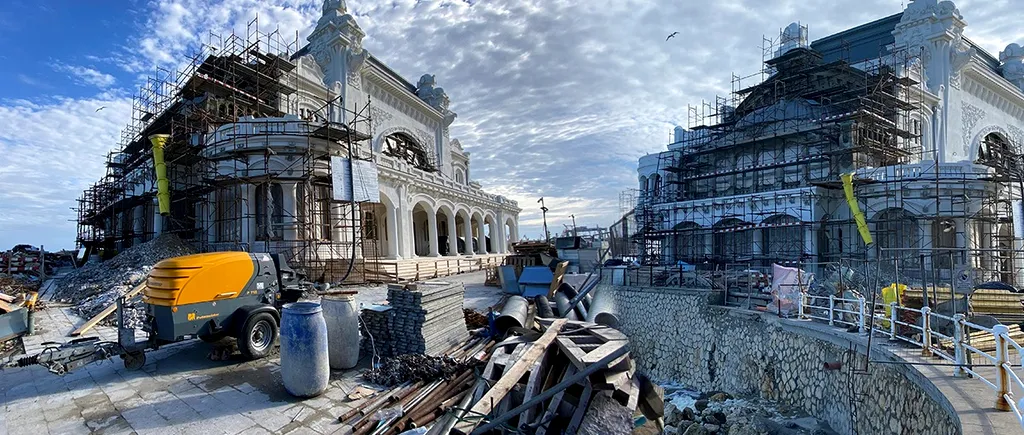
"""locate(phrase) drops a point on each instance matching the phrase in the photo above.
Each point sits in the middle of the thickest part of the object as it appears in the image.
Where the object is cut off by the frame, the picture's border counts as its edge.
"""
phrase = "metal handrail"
(1006, 380)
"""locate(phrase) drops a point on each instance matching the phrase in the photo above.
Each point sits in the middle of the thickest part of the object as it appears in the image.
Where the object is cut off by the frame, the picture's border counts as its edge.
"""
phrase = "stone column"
(392, 232)
(338, 230)
(209, 218)
(139, 223)
(482, 238)
(290, 232)
(432, 233)
(467, 233)
(247, 219)
(453, 236)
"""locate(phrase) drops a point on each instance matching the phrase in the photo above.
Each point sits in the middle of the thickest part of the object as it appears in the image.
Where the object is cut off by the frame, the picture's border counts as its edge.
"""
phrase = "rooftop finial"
(334, 5)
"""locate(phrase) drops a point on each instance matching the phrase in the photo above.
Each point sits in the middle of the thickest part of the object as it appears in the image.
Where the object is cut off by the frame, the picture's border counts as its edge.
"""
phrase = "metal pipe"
(602, 311)
(513, 314)
(562, 303)
(544, 307)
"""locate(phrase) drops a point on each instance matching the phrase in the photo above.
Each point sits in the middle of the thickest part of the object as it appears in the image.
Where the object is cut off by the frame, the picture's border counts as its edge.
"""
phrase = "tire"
(257, 337)
(134, 360)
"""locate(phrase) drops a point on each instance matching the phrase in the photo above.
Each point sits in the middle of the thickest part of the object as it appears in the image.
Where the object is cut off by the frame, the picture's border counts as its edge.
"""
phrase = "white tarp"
(788, 286)
(363, 180)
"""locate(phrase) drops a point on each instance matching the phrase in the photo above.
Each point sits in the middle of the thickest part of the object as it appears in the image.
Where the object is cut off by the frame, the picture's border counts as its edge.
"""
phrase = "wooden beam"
(556, 279)
(107, 311)
(485, 405)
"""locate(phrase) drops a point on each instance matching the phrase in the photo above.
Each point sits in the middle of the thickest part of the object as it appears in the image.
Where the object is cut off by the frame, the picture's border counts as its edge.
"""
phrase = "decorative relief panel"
(971, 115)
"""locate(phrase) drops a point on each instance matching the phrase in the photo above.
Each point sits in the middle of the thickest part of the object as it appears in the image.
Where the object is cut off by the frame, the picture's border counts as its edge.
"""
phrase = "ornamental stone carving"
(379, 117)
(970, 117)
(434, 96)
(1012, 59)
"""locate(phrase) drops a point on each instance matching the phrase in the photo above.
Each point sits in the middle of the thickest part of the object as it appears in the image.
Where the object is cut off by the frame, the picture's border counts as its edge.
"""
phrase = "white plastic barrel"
(304, 364)
(342, 316)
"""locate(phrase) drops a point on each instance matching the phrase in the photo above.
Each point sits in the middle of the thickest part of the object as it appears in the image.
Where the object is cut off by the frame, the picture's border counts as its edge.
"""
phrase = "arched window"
(690, 242)
(656, 184)
(643, 185)
(404, 147)
(994, 151)
(783, 237)
(269, 211)
(460, 177)
(899, 231)
(729, 242)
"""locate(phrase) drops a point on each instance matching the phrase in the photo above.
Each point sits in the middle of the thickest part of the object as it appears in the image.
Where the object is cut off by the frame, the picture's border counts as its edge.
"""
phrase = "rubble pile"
(715, 412)
(96, 286)
(426, 317)
(414, 367)
(16, 285)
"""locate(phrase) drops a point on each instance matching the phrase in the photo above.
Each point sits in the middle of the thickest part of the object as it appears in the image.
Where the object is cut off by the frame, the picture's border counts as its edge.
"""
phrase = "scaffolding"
(755, 177)
(225, 113)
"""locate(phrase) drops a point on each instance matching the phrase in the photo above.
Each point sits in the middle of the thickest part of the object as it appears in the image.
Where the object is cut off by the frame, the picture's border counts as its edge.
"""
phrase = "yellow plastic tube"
(163, 188)
(862, 224)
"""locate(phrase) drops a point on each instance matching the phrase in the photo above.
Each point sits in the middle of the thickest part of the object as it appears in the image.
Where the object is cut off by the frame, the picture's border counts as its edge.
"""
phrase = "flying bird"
(673, 35)
(101, 108)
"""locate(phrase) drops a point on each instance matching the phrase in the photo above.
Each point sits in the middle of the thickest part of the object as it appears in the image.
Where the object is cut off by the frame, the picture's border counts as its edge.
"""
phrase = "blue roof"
(861, 43)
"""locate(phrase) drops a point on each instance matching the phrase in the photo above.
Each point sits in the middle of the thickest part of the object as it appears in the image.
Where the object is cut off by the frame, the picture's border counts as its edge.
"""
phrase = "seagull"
(101, 108)
(673, 35)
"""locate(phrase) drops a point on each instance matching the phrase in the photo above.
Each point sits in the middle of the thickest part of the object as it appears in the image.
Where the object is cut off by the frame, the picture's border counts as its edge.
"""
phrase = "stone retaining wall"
(683, 336)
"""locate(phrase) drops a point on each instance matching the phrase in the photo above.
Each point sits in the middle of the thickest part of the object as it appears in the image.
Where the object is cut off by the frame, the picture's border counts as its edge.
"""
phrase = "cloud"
(556, 98)
(31, 81)
(86, 76)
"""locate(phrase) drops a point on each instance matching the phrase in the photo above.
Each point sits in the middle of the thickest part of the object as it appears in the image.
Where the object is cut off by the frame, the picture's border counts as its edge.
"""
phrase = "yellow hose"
(163, 188)
(862, 224)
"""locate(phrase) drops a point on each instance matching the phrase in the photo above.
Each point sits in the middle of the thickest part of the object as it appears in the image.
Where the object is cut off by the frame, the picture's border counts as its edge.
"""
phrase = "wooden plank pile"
(985, 341)
(546, 386)
(998, 303)
(426, 317)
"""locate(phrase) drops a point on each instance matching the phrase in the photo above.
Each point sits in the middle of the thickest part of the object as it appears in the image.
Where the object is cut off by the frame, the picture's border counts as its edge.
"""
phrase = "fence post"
(831, 310)
(892, 320)
(863, 314)
(1002, 376)
(800, 305)
(926, 331)
(958, 345)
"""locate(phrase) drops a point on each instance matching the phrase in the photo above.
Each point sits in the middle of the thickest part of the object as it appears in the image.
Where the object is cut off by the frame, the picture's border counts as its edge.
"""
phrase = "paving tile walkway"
(179, 390)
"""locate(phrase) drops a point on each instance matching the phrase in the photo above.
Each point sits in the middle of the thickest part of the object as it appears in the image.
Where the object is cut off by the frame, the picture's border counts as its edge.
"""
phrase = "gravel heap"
(413, 367)
(95, 286)
(689, 413)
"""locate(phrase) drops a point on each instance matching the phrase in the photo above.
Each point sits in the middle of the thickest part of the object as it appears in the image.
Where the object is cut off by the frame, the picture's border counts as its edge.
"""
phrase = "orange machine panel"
(198, 278)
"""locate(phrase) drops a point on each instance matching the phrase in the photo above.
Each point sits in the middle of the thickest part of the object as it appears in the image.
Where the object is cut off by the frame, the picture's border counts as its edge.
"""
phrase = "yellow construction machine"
(207, 296)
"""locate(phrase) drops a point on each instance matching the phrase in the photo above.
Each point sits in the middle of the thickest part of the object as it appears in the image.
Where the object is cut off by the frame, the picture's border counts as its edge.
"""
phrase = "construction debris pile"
(559, 376)
(714, 412)
(414, 367)
(425, 317)
(474, 319)
(95, 286)
(16, 286)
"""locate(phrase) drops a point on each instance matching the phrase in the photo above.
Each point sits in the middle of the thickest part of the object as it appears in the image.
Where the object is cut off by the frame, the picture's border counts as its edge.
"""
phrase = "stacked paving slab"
(426, 317)
(376, 330)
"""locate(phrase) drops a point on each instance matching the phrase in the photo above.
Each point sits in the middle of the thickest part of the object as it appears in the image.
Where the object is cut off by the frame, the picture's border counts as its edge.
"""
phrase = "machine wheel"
(134, 360)
(257, 337)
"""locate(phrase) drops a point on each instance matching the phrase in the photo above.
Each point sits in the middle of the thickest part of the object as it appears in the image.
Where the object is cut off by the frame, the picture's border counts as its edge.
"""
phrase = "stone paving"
(179, 390)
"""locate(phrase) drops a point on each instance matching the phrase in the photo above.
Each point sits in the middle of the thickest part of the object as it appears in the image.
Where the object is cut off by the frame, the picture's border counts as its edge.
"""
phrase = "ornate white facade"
(951, 194)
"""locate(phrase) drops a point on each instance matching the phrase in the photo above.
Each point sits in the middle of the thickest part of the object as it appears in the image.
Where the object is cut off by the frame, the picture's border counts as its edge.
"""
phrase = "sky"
(556, 98)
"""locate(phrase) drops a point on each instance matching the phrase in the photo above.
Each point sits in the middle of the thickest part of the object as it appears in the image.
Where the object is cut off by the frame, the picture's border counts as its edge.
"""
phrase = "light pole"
(544, 214)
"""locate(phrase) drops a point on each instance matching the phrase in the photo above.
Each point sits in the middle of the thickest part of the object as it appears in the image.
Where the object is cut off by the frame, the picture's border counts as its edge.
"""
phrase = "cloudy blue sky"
(556, 98)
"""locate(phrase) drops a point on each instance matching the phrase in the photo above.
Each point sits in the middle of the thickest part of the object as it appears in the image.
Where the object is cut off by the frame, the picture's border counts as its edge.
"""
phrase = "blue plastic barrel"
(305, 367)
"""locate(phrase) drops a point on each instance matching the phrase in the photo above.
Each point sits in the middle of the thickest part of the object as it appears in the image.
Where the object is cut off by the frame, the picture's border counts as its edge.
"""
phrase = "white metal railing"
(886, 319)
